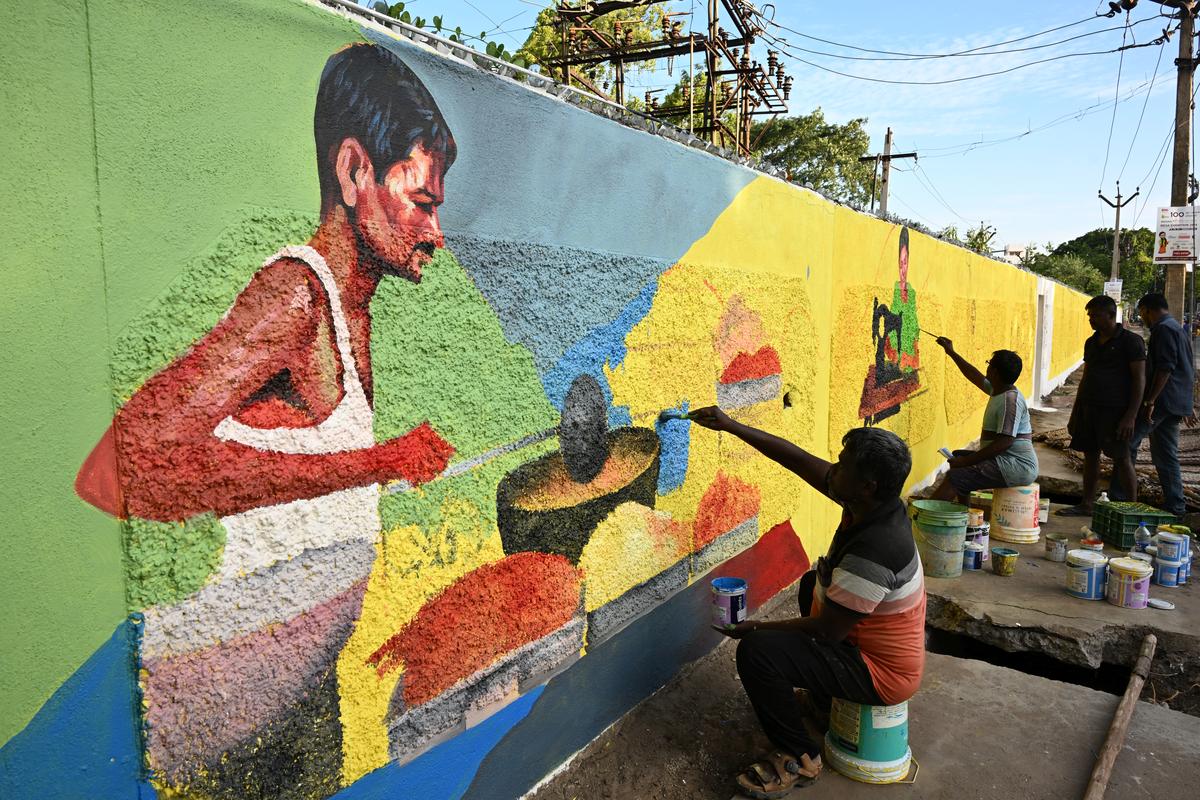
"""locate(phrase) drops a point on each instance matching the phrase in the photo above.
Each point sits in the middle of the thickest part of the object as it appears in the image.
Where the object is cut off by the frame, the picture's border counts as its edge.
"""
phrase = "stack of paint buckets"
(1172, 555)
(976, 552)
(940, 530)
(1128, 582)
(868, 743)
(1016, 514)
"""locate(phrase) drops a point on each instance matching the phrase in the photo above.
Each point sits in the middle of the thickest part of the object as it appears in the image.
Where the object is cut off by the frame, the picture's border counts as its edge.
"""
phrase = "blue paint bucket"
(868, 743)
(728, 602)
(1166, 573)
(1086, 574)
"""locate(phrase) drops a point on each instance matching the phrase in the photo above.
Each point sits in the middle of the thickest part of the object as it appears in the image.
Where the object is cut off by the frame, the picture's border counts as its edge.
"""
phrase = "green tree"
(980, 239)
(1138, 272)
(627, 25)
(1071, 269)
(818, 153)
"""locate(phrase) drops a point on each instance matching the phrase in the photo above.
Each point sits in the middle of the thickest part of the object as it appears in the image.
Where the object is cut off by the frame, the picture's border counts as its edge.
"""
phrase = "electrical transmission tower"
(736, 89)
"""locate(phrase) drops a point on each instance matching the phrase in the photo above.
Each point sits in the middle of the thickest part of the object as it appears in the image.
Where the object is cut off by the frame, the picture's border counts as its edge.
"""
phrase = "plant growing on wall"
(438, 25)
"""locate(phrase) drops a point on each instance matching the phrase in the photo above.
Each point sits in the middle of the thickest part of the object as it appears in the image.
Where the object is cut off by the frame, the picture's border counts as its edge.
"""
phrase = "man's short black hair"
(1102, 302)
(1153, 301)
(1008, 365)
(903, 239)
(881, 456)
(368, 94)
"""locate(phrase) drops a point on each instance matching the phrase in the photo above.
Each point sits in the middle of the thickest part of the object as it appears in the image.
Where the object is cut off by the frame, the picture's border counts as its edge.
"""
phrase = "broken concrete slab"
(1031, 610)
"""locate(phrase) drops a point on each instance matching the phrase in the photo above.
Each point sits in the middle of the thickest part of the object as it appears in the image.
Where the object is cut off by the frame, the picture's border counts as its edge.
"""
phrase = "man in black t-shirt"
(1105, 410)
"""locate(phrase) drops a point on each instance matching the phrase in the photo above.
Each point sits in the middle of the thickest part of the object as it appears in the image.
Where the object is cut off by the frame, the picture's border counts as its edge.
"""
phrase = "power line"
(1145, 103)
(1112, 122)
(966, 53)
(966, 147)
(926, 55)
(785, 49)
(923, 177)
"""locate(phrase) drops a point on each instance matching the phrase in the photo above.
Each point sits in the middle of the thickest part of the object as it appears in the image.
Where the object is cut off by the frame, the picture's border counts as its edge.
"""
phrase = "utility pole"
(1176, 274)
(1116, 262)
(886, 159)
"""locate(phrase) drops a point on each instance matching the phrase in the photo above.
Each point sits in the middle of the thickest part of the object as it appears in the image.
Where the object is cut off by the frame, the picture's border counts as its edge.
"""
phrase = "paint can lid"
(1164, 605)
(974, 547)
(1130, 566)
(728, 584)
(1086, 558)
(1149, 559)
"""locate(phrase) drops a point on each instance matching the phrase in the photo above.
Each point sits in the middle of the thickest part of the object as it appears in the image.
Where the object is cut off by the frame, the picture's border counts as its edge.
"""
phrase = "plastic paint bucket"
(940, 529)
(1044, 511)
(1086, 574)
(974, 517)
(973, 556)
(1004, 561)
(868, 743)
(1166, 573)
(1170, 545)
(1128, 582)
(1056, 547)
(728, 602)
(1017, 508)
(981, 535)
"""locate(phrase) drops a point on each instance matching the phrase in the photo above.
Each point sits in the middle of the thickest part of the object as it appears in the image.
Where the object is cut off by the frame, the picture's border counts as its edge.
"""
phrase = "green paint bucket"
(940, 530)
(868, 743)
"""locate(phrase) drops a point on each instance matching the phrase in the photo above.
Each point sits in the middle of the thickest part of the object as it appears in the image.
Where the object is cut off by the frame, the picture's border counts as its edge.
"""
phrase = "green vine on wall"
(437, 25)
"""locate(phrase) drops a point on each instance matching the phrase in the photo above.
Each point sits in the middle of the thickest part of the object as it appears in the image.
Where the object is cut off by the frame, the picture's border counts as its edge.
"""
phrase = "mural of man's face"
(396, 218)
(903, 265)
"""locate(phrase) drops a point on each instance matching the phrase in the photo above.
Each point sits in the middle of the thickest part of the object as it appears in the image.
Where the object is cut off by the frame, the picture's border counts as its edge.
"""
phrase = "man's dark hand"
(1125, 427)
(1147, 411)
(711, 417)
(957, 462)
(739, 630)
(945, 344)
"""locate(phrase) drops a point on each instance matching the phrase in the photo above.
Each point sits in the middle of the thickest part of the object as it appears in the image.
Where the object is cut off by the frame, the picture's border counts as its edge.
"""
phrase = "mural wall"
(360, 376)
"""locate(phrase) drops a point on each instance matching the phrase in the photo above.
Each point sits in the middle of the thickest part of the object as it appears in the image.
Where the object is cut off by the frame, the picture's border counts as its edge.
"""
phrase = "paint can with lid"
(1170, 545)
(1166, 573)
(1128, 582)
(982, 536)
(973, 556)
(1056, 547)
(1086, 574)
(728, 601)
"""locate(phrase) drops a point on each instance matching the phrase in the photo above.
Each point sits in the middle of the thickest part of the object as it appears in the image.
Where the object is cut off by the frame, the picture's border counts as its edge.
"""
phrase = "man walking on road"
(1171, 377)
(1106, 406)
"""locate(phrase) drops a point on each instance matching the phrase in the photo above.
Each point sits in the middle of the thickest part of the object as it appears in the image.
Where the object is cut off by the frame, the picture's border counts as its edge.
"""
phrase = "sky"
(1071, 126)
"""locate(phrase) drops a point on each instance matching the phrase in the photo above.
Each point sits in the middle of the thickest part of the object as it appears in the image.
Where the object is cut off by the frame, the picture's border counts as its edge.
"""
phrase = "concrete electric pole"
(1116, 262)
(1176, 274)
(886, 159)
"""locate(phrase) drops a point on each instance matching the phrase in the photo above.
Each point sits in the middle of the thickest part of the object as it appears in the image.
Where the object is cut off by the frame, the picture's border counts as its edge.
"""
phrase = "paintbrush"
(672, 413)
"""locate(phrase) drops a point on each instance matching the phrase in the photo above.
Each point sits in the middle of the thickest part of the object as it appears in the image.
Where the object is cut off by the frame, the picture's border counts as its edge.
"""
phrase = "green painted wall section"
(60, 560)
(61, 585)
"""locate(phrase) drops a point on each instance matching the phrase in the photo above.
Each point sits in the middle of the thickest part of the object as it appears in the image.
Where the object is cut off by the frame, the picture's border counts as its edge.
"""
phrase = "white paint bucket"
(728, 602)
(1017, 508)
(1056, 547)
(1086, 574)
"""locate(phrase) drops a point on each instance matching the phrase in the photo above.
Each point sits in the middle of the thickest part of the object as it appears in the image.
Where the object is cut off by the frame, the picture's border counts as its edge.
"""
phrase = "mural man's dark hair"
(367, 93)
(903, 239)
(881, 456)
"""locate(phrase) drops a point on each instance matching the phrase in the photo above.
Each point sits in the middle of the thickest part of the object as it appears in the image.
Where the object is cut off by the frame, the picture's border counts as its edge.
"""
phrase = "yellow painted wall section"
(1071, 329)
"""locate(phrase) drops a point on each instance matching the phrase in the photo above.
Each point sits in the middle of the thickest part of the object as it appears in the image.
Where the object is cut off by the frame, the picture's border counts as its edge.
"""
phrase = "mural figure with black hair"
(267, 423)
(895, 331)
(1007, 457)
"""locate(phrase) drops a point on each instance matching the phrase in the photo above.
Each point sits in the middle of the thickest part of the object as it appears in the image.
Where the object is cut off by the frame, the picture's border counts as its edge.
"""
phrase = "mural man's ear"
(354, 170)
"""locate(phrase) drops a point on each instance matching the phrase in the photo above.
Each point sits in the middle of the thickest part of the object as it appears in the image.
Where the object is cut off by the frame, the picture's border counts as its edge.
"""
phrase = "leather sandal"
(773, 776)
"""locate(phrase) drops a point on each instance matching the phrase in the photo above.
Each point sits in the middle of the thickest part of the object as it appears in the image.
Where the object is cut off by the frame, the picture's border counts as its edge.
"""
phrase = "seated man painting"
(861, 633)
(1005, 457)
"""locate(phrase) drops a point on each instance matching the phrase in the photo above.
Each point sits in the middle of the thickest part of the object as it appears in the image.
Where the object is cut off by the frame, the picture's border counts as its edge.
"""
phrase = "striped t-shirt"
(873, 570)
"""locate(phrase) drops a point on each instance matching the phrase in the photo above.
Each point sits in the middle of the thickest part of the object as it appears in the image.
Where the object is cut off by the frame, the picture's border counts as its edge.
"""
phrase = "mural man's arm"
(812, 469)
(161, 459)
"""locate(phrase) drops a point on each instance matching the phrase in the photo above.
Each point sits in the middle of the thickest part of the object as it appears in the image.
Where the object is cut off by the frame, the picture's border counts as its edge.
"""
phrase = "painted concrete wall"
(371, 520)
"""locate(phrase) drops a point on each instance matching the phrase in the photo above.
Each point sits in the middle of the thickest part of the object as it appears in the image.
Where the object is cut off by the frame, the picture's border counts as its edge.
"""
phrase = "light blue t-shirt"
(1007, 414)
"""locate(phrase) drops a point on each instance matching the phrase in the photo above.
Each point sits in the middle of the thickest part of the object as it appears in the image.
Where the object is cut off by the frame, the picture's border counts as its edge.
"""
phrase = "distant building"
(1012, 253)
